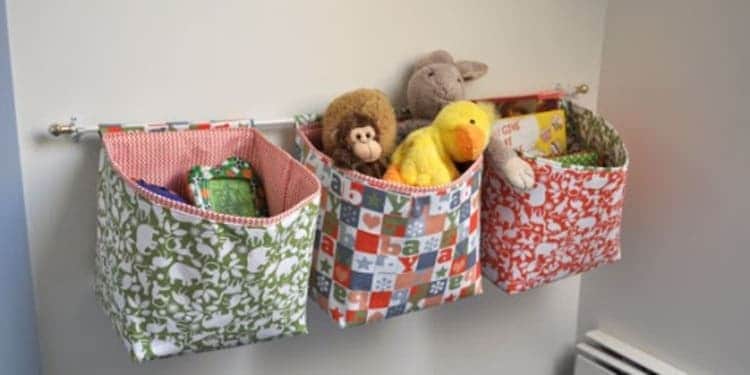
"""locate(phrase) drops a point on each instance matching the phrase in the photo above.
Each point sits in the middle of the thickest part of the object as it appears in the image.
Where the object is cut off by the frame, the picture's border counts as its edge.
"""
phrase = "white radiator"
(602, 354)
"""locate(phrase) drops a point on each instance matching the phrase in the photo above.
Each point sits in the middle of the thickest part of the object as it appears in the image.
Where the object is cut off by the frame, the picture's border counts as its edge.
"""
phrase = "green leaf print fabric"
(173, 282)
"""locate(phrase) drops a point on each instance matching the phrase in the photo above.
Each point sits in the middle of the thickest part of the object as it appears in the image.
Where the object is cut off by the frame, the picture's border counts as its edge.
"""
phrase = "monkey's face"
(364, 143)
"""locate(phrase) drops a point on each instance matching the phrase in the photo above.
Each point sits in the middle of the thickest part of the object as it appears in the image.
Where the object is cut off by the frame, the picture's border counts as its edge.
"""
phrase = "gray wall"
(675, 82)
(18, 342)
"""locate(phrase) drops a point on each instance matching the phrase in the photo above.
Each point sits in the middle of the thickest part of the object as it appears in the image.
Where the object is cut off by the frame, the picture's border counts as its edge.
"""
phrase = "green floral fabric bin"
(175, 278)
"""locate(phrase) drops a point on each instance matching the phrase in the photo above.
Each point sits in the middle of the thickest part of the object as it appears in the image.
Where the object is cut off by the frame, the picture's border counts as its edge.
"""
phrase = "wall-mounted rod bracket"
(575, 91)
(582, 89)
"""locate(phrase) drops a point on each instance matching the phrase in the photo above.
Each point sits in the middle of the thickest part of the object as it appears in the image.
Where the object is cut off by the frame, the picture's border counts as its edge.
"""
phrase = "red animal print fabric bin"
(568, 223)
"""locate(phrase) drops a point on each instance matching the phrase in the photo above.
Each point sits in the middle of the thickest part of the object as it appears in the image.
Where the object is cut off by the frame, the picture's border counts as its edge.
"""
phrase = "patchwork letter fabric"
(568, 223)
(383, 250)
(175, 278)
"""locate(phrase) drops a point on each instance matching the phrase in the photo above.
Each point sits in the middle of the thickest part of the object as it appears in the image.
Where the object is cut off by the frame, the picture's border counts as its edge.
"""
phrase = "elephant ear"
(439, 56)
(471, 70)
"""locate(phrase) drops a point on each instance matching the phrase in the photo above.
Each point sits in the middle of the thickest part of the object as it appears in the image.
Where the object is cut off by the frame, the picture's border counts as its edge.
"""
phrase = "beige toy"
(436, 80)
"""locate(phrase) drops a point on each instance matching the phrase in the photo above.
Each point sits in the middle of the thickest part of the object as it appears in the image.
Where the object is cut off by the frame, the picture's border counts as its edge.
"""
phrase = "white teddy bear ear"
(471, 70)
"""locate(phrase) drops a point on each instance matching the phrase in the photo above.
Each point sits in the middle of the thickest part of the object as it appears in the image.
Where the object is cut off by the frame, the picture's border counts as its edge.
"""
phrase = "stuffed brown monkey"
(359, 147)
(359, 109)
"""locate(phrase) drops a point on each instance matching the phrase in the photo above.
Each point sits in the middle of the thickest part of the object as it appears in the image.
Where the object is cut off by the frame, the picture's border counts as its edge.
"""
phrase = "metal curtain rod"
(75, 131)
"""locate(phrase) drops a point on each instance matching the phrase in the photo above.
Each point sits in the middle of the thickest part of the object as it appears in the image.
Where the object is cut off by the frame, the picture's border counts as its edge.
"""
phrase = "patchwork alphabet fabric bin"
(568, 223)
(384, 249)
(174, 278)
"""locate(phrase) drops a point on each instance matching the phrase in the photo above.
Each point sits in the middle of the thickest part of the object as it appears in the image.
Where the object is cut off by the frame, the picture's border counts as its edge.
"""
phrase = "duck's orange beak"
(469, 143)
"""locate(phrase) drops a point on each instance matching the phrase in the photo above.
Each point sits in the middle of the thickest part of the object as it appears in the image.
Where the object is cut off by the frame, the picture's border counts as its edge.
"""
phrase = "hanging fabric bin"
(385, 249)
(569, 222)
(175, 278)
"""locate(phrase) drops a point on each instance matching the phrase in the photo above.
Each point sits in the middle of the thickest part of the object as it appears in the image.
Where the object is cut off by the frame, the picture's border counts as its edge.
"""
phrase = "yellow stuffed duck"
(427, 157)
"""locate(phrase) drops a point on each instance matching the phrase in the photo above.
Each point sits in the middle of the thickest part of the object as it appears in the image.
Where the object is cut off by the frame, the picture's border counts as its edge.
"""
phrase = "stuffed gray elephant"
(438, 80)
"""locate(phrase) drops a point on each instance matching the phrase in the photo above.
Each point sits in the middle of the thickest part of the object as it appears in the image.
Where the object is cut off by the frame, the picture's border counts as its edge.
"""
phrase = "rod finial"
(64, 128)
(582, 89)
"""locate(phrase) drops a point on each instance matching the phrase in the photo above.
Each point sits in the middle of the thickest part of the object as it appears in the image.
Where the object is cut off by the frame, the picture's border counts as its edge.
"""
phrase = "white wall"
(19, 349)
(675, 82)
(152, 60)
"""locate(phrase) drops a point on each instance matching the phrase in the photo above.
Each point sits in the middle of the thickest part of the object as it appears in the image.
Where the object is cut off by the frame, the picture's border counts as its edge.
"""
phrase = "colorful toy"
(436, 80)
(536, 134)
(161, 190)
(232, 188)
(359, 131)
(426, 158)
(524, 106)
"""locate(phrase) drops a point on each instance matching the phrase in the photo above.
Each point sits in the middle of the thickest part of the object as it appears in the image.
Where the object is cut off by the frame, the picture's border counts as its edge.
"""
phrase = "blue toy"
(161, 190)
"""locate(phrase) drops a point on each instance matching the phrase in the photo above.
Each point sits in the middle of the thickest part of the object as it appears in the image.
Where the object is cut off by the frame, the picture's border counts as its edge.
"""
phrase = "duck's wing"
(421, 162)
